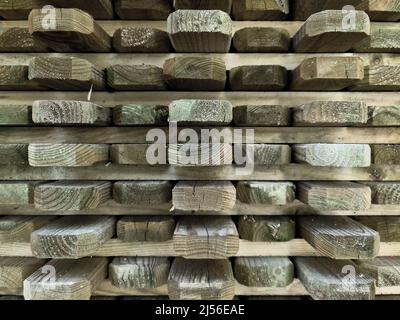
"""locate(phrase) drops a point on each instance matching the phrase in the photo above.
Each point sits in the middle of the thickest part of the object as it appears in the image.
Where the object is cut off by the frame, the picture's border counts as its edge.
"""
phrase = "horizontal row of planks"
(85, 214)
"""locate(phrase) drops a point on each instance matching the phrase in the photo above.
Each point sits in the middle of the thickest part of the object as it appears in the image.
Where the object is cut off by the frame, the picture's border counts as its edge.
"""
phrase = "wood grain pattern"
(19, 229)
(15, 115)
(134, 154)
(16, 154)
(387, 227)
(262, 115)
(15, 77)
(17, 192)
(260, 9)
(388, 154)
(258, 78)
(384, 37)
(142, 192)
(385, 270)
(140, 115)
(265, 192)
(379, 78)
(143, 9)
(264, 154)
(384, 115)
(258, 39)
(385, 192)
(16, 39)
(141, 39)
(224, 5)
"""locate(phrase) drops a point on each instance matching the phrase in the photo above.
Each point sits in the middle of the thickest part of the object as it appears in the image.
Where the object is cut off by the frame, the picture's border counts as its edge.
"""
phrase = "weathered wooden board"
(141, 39)
(224, 5)
(139, 272)
(264, 271)
(327, 279)
(201, 280)
(68, 30)
(143, 9)
(388, 154)
(265, 192)
(262, 115)
(385, 192)
(328, 73)
(142, 192)
(379, 78)
(66, 73)
(387, 227)
(204, 195)
(204, 238)
(15, 77)
(71, 195)
(266, 229)
(264, 154)
(17, 192)
(384, 38)
(72, 237)
(16, 154)
(259, 39)
(66, 279)
(67, 155)
(16, 39)
(334, 195)
(385, 270)
(136, 154)
(140, 115)
(200, 31)
(260, 9)
(145, 228)
(18, 229)
(15, 115)
(384, 115)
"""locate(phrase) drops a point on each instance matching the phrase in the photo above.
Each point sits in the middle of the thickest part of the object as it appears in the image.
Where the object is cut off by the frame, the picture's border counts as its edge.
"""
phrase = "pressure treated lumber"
(258, 78)
(388, 154)
(265, 192)
(67, 155)
(384, 115)
(204, 195)
(327, 279)
(15, 115)
(68, 30)
(379, 78)
(260, 9)
(135, 77)
(339, 237)
(204, 238)
(333, 155)
(195, 73)
(271, 272)
(327, 31)
(14, 270)
(15, 77)
(334, 195)
(385, 270)
(71, 195)
(261, 115)
(66, 279)
(69, 112)
(331, 113)
(387, 227)
(201, 112)
(134, 154)
(261, 39)
(385, 192)
(141, 39)
(200, 31)
(17, 192)
(143, 9)
(328, 73)
(142, 192)
(66, 73)
(72, 237)
(201, 280)
(140, 115)
(16, 154)
(139, 272)
(18, 229)
(20, 9)
(264, 154)
(200, 154)
(384, 38)
(266, 228)
(223, 5)
(16, 39)
(145, 228)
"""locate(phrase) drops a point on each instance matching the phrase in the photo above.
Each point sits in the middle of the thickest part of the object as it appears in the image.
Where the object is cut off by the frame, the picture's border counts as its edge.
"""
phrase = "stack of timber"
(196, 149)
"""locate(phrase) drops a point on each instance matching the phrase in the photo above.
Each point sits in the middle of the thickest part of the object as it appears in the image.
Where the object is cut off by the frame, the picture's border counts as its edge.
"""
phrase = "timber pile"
(106, 191)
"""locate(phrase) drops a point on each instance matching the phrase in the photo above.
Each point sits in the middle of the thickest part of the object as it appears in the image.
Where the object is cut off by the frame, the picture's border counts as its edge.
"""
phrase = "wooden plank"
(13, 154)
(387, 154)
(66, 279)
(384, 38)
(15, 77)
(132, 154)
(334, 195)
(264, 272)
(72, 237)
(20, 9)
(264, 192)
(258, 78)
(333, 155)
(339, 237)
(66, 73)
(379, 78)
(327, 279)
(261, 115)
(15, 115)
(224, 5)
(145, 228)
(387, 227)
(67, 112)
(201, 112)
(200, 31)
(264, 154)
(19, 229)
(204, 195)
(266, 228)
(140, 115)
(385, 192)
(260, 9)
(141, 39)
(201, 280)
(70, 30)
(327, 73)
(17, 192)
(17, 39)
(70, 196)
(135, 77)
(139, 272)
(331, 113)
(143, 9)
(203, 238)
(195, 73)
(258, 39)
(142, 192)
(384, 115)
(326, 31)
(385, 270)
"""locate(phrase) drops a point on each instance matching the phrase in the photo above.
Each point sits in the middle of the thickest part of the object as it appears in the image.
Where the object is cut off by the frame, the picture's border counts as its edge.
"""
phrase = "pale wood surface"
(19, 229)
(15, 115)
(265, 40)
(263, 192)
(387, 227)
(140, 115)
(141, 39)
(384, 38)
(17, 192)
(14, 270)
(385, 192)
(385, 270)
(262, 115)
(264, 154)
(142, 192)
(379, 78)
(260, 10)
